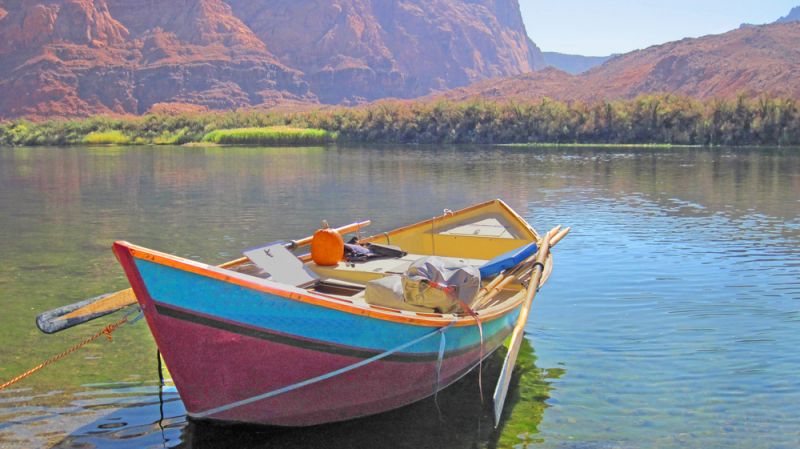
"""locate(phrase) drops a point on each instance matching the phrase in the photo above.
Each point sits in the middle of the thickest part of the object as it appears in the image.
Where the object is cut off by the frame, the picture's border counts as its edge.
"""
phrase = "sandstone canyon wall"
(82, 57)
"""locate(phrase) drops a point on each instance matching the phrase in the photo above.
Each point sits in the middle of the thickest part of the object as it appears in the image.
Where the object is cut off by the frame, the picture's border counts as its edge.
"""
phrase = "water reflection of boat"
(455, 419)
(302, 345)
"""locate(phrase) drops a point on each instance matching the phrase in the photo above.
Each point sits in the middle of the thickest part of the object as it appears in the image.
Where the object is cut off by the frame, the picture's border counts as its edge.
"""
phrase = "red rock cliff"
(369, 49)
(80, 57)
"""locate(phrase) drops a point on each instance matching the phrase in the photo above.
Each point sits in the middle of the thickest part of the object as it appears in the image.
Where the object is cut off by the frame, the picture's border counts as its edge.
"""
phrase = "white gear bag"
(440, 283)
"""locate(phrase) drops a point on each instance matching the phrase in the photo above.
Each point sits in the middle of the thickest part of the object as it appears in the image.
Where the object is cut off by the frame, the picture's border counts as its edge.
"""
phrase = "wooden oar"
(563, 233)
(524, 274)
(71, 315)
(503, 382)
(493, 286)
(502, 280)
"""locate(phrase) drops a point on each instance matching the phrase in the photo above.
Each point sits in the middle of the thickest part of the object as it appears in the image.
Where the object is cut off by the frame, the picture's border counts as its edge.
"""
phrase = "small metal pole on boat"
(160, 369)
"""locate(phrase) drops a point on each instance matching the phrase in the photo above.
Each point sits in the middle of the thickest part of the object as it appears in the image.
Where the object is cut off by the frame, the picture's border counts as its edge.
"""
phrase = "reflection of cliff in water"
(459, 421)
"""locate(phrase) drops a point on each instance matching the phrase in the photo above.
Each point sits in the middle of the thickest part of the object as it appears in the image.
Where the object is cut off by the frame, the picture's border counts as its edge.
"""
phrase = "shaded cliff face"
(197, 52)
(353, 50)
(749, 61)
(82, 57)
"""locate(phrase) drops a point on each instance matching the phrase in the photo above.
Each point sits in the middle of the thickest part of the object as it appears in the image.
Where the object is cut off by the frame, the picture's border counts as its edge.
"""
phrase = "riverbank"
(646, 120)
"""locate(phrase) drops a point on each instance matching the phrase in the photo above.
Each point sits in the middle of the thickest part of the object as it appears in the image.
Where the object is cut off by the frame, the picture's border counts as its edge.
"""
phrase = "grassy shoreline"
(651, 120)
(271, 135)
(268, 135)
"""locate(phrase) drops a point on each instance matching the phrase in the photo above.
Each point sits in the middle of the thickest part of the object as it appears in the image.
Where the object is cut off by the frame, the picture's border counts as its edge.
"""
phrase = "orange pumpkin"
(327, 246)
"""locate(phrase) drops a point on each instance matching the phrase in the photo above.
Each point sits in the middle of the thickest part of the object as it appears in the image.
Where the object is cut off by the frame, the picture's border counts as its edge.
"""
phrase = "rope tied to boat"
(313, 380)
(471, 312)
(439, 361)
(105, 332)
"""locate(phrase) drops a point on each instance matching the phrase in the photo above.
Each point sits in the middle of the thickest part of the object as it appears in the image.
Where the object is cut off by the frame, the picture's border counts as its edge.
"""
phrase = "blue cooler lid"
(507, 260)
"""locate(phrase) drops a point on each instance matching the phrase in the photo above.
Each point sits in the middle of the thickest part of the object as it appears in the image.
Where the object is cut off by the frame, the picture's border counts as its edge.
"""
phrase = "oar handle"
(81, 312)
(62, 318)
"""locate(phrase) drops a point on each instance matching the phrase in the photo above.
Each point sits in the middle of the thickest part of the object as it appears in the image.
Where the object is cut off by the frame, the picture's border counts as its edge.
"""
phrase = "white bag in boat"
(440, 283)
(388, 292)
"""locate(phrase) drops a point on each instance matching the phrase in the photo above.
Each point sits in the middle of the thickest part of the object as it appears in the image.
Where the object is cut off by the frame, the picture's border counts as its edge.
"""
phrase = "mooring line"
(313, 380)
(106, 331)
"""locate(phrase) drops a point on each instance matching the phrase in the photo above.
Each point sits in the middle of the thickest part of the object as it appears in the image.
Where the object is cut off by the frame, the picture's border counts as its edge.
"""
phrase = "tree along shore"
(649, 119)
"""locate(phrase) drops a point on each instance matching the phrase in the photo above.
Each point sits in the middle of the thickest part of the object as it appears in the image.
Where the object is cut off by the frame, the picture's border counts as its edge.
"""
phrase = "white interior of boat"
(472, 237)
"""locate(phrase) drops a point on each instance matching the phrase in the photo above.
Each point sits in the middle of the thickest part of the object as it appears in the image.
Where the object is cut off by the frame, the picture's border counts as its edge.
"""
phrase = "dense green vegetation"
(650, 119)
(111, 137)
(271, 135)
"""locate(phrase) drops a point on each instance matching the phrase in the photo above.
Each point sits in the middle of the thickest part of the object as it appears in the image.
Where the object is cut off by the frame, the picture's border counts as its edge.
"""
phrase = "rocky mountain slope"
(750, 61)
(81, 57)
(352, 50)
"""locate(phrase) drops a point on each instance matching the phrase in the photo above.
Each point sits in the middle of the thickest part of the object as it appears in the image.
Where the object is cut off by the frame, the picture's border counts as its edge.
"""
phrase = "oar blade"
(501, 390)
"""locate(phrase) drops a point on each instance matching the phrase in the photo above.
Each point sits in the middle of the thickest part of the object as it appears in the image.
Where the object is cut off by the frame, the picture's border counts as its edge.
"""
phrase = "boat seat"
(280, 265)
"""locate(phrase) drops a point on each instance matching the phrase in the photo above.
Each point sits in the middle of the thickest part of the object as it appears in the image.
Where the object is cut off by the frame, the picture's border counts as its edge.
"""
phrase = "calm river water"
(672, 319)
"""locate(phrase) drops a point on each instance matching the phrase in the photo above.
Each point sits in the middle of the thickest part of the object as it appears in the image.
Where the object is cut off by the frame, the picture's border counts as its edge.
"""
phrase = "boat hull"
(245, 355)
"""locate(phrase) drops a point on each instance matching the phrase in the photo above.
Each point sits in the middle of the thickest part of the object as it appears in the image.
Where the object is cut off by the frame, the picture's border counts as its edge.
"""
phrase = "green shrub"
(176, 138)
(658, 118)
(272, 135)
(112, 137)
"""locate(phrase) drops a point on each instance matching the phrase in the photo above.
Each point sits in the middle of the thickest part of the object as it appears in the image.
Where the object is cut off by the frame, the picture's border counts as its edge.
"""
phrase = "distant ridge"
(573, 64)
(751, 61)
(793, 16)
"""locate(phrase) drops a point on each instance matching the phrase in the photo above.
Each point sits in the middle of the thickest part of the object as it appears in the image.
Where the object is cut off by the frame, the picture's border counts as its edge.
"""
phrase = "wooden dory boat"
(244, 348)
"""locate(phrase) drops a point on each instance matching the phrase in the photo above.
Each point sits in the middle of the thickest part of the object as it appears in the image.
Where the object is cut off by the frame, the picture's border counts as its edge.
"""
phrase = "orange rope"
(106, 331)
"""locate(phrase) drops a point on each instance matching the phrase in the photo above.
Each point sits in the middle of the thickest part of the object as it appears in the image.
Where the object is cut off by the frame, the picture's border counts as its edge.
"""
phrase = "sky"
(603, 27)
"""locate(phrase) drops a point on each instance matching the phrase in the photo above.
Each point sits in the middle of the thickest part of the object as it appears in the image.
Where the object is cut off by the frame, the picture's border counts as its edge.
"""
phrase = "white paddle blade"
(504, 381)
